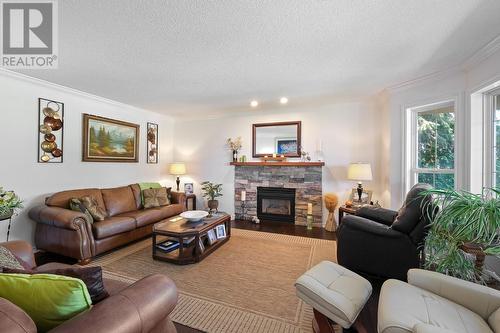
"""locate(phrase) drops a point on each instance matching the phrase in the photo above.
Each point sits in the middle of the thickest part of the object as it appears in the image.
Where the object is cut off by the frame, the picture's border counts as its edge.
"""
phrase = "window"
(496, 141)
(432, 148)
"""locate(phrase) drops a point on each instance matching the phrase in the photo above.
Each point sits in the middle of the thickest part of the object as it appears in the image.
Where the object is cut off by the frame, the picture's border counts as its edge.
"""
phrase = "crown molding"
(477, 58)
(73, 91)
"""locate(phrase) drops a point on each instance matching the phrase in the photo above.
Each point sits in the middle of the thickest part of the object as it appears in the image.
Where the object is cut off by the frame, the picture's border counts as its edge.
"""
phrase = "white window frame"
(411, 154)
(489, 136)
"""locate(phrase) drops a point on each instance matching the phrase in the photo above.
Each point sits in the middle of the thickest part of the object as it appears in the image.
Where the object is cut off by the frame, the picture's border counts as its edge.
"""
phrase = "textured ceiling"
(203, 57)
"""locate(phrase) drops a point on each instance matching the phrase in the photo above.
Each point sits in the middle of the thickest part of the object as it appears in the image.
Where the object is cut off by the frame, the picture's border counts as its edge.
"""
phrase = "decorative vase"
(235, 156)
(309, 221)
(213, 205)
(6, 213)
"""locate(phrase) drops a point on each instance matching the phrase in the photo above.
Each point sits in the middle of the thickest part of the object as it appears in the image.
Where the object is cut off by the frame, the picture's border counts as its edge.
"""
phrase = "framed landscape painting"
(109, 140)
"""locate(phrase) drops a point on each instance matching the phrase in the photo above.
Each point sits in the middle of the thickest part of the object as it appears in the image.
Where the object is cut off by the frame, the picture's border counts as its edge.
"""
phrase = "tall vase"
(235, 156)
(310, 220)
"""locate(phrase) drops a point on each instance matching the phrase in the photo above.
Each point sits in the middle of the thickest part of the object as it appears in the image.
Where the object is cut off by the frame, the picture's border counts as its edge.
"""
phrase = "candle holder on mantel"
(243, 198)
(310, 217)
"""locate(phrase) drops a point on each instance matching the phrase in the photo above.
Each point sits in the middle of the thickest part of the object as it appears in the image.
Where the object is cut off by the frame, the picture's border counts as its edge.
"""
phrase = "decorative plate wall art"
(152, 143)
(50, 131)
(109, 140)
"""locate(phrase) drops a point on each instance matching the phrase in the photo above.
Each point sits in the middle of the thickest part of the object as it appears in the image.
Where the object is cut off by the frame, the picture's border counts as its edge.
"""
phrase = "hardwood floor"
(284, 228)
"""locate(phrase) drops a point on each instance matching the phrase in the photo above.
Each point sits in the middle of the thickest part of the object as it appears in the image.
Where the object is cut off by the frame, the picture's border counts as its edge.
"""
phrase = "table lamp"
(177, 169)
(359, 172)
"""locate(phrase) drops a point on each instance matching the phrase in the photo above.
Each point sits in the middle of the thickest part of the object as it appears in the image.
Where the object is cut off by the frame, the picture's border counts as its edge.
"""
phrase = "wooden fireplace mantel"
(299, 164)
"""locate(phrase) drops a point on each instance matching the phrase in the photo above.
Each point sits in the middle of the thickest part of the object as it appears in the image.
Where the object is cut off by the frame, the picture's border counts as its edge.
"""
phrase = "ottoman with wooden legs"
(335, 293)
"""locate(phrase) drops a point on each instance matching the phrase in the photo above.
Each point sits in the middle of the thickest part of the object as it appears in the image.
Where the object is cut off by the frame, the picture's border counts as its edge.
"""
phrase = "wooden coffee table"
(179, 229)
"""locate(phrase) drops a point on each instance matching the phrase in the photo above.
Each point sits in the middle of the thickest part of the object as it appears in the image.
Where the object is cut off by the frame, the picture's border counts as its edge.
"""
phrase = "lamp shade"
(177, 168)
(359, 171)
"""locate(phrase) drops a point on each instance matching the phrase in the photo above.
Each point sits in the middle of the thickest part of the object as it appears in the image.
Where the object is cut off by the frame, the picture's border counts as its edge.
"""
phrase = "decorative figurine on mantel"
(235, 145)
(9, 204)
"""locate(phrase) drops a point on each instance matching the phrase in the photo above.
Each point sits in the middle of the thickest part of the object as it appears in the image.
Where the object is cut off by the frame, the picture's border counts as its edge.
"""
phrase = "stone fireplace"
(303, 181)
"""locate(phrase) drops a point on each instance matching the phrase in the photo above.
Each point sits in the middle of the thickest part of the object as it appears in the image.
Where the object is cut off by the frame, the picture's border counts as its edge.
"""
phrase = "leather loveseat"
(143, 307)
(68, 233)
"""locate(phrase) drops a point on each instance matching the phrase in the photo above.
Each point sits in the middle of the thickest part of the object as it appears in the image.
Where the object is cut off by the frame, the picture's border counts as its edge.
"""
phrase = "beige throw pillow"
(156, 197)
(98, 213)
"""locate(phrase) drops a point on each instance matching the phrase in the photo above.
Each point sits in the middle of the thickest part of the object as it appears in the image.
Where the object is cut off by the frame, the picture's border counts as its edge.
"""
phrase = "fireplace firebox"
(276, 204)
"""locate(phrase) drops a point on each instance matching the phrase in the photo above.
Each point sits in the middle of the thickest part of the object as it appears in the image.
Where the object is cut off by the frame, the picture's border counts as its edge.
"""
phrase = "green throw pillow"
(146, 186)
(77, 205)
(48, 299)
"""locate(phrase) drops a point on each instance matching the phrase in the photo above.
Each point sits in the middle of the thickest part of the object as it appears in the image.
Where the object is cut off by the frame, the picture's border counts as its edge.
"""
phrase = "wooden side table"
(347, 210)
(191, 197)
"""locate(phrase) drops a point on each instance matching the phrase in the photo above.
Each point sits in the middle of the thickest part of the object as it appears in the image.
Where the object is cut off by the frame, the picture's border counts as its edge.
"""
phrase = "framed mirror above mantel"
(280, 138)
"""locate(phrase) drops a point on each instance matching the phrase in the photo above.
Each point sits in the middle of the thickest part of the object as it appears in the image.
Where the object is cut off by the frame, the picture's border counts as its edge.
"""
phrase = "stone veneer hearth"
(306, 180)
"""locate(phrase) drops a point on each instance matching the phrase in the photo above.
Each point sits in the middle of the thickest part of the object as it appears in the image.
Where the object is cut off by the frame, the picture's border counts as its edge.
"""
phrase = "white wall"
(350, 131)
(458, 84)
(19, 170)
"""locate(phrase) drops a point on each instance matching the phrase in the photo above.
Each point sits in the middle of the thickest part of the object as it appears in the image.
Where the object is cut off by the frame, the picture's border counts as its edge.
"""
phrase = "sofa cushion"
(409, 215)
(112, 226)
(119, 200)
(8, 259)
(403, 306)
(61, 199)
(75, 204)
(170, 210)
(144, 216)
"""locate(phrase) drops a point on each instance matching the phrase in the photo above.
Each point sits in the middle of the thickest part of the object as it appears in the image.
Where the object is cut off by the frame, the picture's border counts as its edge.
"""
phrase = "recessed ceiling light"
(283, 100)
(254, 103)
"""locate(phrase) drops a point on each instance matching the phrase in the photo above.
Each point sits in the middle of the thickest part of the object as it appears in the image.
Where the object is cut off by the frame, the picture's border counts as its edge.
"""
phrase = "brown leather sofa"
(144, 306)
(66, 232)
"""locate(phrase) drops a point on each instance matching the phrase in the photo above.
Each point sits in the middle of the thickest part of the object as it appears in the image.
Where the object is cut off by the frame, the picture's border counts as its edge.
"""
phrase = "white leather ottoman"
(334, 291)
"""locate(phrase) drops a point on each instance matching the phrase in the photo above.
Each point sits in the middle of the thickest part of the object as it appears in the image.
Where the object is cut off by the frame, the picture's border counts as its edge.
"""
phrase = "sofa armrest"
(23, 250)
(14, 320)
(477, 298)
(381, 215)
(138, 308)
(365, 225)
(58, 217)
(63, 231)
(179, 198)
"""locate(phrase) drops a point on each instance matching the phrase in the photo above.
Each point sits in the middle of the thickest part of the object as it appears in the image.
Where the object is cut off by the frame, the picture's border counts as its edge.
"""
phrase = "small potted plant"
(9, 203)
(463, 231)
(235, 145)
(212, 191)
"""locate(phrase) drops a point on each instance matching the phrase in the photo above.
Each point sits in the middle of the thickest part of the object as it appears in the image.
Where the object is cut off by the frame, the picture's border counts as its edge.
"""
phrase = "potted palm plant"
(463, 231)
(9, 203)
(211, 191)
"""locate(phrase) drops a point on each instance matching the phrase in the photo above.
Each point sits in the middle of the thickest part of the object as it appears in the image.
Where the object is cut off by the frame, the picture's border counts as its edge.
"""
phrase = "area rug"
(247, 285)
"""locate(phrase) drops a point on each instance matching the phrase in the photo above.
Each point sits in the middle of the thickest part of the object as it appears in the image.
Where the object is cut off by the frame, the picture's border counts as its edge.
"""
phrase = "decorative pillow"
(98, 213)
(77, 205)
(49, 300)
(91, 276)
(146, 186)
(156, 197)
(9, 260)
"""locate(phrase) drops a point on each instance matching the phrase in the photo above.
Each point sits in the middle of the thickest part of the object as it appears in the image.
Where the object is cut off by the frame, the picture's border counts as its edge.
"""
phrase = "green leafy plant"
(211, 190)
(9, 202)
(464, 220)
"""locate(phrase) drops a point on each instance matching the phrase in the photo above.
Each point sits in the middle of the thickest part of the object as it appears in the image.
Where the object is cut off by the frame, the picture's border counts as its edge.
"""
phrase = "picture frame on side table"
(109, 140)
(220, 231)
(50, 131)
(188, 188)
(152, 143)
(366, 197)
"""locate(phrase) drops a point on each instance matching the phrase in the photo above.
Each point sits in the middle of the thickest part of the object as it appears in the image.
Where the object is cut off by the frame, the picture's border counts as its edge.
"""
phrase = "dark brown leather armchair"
(144, 306)
(66, 232)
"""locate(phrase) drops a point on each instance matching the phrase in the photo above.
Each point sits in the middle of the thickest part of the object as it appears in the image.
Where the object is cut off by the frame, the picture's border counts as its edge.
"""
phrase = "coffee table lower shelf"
(180, 232)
